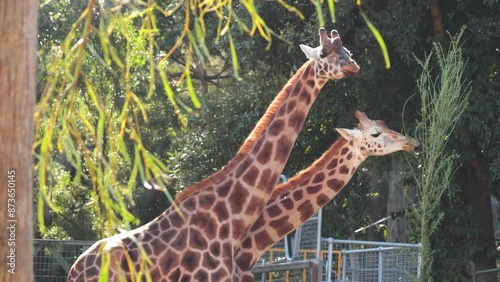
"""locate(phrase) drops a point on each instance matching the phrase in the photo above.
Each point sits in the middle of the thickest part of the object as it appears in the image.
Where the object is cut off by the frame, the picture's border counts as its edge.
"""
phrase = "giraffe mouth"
(410, 145)
(350, 70)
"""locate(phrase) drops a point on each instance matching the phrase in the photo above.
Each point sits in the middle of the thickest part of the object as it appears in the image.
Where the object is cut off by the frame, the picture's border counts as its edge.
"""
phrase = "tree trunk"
(482, 219)
(437, 21)
(18, 39)
(400, 197)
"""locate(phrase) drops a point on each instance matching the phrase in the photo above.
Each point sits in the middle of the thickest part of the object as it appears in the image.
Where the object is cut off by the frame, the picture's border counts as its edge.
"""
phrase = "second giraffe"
(294, 202)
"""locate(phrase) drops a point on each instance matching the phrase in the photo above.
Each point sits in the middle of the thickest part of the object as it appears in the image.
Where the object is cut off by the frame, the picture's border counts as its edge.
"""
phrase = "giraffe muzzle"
(410, 145)
(350, 69)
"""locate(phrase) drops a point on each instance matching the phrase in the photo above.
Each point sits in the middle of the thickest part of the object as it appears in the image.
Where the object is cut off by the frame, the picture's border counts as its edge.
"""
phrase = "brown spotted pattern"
(294, 202)
(196, 241)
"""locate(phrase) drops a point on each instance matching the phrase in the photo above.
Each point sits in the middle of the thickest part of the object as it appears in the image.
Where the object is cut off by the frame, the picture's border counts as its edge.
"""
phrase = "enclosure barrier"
(276, 257)
(52, 259)
(349, 260)
(387, 262)
(309, 266)
(339, 260)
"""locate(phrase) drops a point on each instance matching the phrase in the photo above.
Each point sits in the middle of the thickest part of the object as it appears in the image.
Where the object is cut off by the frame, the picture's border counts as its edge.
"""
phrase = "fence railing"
(276, 257)
(349, 260)
(380, 264)
(53, 258)
(309, 269)
(340, 260)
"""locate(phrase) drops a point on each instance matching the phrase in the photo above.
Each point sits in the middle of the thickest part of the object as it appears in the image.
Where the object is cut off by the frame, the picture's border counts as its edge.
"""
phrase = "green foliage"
(444, 99)
(90, 120)
(77, 219)
(452, 242)
(228, 116)
(126, 50)
(96, 123)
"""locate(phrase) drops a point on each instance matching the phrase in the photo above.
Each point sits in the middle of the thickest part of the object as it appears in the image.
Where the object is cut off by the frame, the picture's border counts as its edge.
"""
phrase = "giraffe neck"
(252, 175)
(294, 202)
(305, 74)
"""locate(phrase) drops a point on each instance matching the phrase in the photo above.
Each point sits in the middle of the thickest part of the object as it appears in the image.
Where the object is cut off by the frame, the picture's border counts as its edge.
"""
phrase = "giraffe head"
(333, 60)
(374, 138)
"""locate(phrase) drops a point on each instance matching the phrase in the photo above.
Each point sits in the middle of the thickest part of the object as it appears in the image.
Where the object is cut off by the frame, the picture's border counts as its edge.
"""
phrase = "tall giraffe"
(195, 242)
(294, 202)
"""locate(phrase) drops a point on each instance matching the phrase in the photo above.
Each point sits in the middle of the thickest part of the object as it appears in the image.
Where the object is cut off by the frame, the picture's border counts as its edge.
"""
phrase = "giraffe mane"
(249, 143)
(310, 171)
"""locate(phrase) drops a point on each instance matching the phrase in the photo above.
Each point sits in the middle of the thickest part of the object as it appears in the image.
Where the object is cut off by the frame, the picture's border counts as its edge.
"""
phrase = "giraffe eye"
(375, 135)
(322, 55)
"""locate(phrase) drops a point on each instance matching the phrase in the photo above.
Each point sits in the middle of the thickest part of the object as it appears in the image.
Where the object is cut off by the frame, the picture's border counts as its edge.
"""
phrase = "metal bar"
(263, 275)
(344, 267)
(62, 242)
(485, 271)
(369, 250)
(372, 224)
(419, 262)
(380, 265)
(293, 265)
(318, 242)
(383, 244)
(329, 263)
(488, 271)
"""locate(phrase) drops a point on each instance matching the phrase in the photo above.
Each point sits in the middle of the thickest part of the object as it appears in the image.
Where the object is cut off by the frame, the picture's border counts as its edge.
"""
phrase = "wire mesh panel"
(52, 259)
(309, 237)
(350, 260)
(381, 264)
(308, 247)
(303, 270)
(294, 275)
(331, 256)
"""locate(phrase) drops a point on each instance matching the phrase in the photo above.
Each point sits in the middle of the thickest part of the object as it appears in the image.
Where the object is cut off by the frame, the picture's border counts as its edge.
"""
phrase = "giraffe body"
(196, 242)
(294, 202)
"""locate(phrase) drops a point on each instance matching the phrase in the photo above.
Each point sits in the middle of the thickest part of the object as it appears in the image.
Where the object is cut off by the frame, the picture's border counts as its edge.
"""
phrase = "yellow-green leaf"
(192, 93)
(331, 8)
(319, 12)
(234, 56)
(377, 35)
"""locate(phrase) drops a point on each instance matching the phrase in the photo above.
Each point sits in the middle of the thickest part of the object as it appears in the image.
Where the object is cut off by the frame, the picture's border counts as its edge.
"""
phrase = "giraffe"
(194, 240)
(292, 203)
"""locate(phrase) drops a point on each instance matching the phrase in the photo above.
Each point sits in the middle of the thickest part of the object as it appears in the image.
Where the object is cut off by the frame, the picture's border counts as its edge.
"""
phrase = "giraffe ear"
(348, 134)
(311, 53)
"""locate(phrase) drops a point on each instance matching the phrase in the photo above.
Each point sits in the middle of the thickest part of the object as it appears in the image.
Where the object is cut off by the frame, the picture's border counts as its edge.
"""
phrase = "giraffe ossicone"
(295, 201)
(195, 239)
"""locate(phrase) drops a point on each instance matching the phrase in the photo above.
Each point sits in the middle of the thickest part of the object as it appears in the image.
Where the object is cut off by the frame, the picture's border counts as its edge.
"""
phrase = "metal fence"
(339, 260)
(381, 264)
(348, 260)
(53, 258)
(308, 243)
